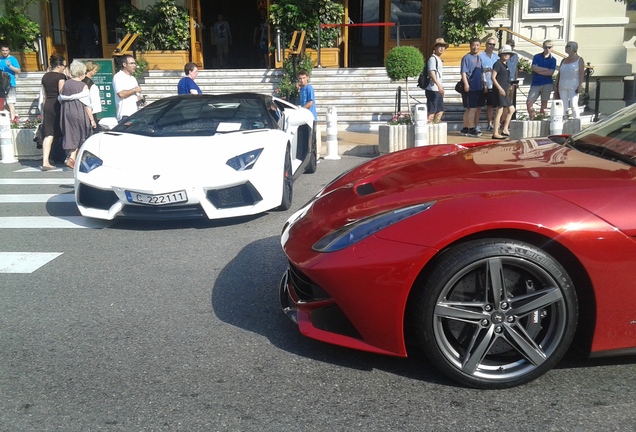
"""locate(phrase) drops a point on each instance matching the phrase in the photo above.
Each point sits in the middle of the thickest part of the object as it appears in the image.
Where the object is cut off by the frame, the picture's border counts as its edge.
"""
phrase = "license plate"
(160, 199)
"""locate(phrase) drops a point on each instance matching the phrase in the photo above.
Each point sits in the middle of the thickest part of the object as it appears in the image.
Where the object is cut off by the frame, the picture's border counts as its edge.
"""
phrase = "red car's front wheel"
(495, 313)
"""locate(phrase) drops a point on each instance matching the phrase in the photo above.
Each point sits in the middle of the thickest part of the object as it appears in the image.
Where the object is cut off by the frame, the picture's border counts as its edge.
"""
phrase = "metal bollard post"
(6, 141)
(556, 117)
(421, 127)
(332, 134)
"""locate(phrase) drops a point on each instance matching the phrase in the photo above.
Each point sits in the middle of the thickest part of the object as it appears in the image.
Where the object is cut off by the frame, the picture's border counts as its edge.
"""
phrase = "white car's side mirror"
(107, 123)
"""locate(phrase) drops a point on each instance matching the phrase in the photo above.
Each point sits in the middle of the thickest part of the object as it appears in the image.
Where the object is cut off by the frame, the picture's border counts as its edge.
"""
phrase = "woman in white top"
(569, 81)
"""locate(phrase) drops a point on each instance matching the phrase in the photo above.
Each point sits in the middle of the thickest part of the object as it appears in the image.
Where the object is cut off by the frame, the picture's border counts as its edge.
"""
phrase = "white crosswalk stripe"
(36, 181)
(26, 209)
(25, 262)
(52, 222)
(37, 198)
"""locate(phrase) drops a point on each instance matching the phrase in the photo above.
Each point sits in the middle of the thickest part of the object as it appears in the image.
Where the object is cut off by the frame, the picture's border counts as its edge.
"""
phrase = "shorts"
(11, 98)
(488, 98)
(473, 99)
(543, 90)
(434, 102)
(222, 47)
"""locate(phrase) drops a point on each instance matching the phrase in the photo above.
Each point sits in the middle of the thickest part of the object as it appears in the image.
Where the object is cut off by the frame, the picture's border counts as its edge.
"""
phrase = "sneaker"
(490, 127)
(473, 132)
(478, 129)
(464, 132)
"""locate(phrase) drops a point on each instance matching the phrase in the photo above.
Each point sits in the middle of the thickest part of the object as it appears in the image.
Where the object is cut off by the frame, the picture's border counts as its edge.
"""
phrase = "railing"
(124, 47)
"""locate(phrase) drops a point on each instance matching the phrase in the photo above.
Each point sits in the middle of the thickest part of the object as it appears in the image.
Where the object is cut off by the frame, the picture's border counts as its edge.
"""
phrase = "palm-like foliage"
(461, 22)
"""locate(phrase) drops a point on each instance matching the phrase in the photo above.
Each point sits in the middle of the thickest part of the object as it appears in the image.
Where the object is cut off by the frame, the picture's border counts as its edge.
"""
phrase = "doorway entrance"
(83, 38)
(243, 17)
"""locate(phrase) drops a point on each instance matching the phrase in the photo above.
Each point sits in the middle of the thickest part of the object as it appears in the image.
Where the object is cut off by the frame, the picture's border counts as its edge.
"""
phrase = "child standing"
(307, 97)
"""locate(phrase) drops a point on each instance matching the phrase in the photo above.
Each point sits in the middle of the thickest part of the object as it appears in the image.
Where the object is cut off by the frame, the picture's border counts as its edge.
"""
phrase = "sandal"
(70, 162)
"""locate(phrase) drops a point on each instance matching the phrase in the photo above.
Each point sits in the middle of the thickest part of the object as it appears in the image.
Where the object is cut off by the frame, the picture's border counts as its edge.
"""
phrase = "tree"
(403, 62)
(290, 15)
(461, 22)
(16, 29)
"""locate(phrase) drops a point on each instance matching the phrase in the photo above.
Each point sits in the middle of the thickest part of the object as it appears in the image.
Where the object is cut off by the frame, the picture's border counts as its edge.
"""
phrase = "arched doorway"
(243, 17)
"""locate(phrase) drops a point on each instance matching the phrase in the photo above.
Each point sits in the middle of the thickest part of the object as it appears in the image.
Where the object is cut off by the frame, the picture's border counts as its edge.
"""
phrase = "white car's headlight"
(89, 162)
(363, 228)
(245, 161)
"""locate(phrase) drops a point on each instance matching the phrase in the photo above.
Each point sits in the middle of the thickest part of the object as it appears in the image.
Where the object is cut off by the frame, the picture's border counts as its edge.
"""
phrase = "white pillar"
(332, 134)
(556, 117)
(6, 140)
(421, 127)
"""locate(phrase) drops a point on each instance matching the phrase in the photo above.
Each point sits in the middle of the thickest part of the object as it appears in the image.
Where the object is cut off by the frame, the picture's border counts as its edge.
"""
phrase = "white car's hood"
(136, 152)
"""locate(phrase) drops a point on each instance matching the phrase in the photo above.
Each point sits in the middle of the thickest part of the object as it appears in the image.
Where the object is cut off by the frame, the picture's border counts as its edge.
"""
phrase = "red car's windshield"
(616, 133)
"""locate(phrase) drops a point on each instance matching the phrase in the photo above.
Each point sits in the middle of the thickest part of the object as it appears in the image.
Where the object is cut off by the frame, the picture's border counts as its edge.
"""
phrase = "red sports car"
(493, 259)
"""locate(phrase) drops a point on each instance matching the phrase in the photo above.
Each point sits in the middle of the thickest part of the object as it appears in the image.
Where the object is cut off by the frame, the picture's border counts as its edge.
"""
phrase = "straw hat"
(440, 41)
(507, 49)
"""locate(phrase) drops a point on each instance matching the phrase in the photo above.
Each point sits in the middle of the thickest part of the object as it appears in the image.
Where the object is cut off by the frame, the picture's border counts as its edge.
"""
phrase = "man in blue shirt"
(307, 98)
(543, 67)
(10, 65)
(473, 95)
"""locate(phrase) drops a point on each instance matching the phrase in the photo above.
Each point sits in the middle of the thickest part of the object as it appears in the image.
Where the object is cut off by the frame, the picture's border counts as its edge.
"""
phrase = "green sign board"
(103, 79)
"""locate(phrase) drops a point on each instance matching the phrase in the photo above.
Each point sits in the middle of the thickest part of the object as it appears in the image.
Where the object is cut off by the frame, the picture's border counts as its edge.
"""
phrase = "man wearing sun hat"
(435, 89)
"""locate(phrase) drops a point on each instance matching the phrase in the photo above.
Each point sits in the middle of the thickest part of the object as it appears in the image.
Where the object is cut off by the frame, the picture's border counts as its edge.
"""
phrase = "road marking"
(37, 198)
(53, 222)
(34, 169)
(25, 262)
(32, 181)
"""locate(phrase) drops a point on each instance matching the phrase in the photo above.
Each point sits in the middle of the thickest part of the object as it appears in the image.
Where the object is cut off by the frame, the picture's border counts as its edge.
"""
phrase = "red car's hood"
(442, 172)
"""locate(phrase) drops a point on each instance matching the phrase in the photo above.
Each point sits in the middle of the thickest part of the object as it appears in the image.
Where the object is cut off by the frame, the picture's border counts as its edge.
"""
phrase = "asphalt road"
(138, 326)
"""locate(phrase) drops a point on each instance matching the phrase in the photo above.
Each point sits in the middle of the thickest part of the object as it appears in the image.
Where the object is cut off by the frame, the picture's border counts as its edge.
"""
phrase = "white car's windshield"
(199, 116)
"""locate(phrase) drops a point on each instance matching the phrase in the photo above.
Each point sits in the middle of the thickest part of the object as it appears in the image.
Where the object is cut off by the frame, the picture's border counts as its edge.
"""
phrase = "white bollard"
(332, 134)
(556, 117)
(6, 140)
(421, 127)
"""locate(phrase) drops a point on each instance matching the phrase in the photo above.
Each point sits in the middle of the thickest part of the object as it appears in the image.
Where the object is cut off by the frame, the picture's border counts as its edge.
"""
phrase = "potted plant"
(20, 33)
(287, 87)
(462, 22)
(401, 63)
(307, 15)
(164, 33)
(22, 135)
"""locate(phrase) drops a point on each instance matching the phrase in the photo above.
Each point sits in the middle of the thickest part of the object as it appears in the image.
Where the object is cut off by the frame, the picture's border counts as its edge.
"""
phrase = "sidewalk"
(366, 143)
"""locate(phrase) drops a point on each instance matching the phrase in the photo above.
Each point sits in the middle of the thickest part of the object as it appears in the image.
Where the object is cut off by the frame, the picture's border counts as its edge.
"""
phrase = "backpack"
(425, 78)
(5, 83)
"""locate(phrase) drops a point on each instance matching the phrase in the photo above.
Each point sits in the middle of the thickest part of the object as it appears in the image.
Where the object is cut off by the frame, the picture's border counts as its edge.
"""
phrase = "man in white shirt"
(127, 90)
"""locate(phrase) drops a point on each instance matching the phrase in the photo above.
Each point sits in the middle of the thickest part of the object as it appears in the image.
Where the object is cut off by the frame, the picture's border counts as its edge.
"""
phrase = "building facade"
(602, 28)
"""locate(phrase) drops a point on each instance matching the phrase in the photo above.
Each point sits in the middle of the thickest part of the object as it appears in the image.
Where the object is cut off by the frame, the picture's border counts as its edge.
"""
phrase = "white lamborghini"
(213, 156)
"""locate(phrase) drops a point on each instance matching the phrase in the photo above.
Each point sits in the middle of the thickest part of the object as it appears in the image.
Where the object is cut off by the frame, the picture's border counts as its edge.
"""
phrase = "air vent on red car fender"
(365, 189)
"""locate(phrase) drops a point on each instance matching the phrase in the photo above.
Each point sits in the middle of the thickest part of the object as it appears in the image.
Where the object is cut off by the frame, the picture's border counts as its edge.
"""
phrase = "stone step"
(360, 95)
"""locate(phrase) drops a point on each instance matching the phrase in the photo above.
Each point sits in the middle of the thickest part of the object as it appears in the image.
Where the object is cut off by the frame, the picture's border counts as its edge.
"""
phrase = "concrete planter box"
(540, 128)
(24, 148)
(392, 138)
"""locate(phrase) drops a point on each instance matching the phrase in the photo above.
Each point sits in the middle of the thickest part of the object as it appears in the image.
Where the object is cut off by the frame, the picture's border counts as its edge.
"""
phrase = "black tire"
(288, 183)
(495, 313)
(313, 158)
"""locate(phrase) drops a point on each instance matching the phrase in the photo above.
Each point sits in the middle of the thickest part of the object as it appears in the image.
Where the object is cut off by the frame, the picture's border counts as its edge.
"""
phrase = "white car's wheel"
(288, 183)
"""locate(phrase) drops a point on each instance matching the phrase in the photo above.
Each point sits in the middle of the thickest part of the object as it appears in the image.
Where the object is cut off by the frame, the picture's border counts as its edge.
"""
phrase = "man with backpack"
(9, 66)
(431, 82)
